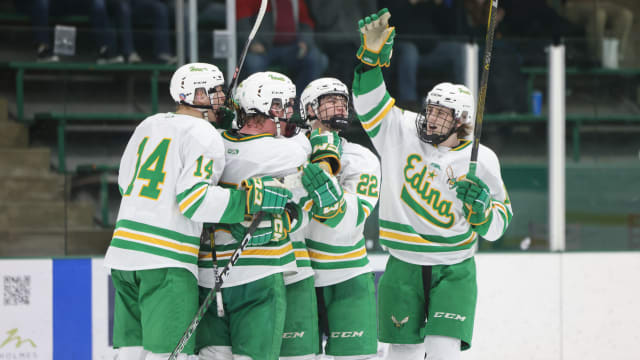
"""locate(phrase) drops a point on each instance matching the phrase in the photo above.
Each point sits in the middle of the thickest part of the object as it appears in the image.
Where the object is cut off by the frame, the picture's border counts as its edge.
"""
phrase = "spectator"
(597, 16)
(336, 33)
(506, 92)
(39, 11)
(144, 11)
(422, 23)
(285, 38)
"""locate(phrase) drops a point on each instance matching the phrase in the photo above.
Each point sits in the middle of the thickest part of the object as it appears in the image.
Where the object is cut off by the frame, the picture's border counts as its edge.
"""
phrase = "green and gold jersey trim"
(403, 237)
(274, 253)
(331, 257)
(302, 254)
(236, 137)
(132, 235)
(190, 200)
(463, 144)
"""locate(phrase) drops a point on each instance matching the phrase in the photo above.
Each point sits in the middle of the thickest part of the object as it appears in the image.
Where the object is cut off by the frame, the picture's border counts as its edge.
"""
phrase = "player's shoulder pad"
(359, 156)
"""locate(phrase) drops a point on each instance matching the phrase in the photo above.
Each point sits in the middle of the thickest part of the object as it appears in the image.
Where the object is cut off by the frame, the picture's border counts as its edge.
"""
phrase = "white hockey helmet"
(311, 97)
(259, 91)
(455, 97)
(190, 77)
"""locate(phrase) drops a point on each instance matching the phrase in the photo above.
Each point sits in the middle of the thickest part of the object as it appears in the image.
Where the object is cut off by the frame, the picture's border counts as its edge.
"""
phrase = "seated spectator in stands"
(336, 33)
(40, 10)
(506, 91)
(155, 12)
(598, 17)
(285, 38)
(426, 29)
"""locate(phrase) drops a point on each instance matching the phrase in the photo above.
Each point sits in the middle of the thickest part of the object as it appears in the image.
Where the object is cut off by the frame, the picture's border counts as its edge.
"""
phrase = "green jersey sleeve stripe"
(193, 208)
(136, 226)
(234, 213)
(366, 81)
(369, 118)
(374, 132)
(185, 194)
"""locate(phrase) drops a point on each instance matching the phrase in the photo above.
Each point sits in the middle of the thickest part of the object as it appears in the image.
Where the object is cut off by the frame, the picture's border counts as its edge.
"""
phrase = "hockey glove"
(273, 227)
(323, 189)
(224, 118)
(326, 146)
(265, 194)
(475, 195)
(376, 39)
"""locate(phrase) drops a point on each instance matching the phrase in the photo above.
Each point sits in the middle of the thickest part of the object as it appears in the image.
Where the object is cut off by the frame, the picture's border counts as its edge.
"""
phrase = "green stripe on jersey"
(404, 237)
(364, 118)
(129, 245)
(333, 249)
(150, 229)
(340, 265)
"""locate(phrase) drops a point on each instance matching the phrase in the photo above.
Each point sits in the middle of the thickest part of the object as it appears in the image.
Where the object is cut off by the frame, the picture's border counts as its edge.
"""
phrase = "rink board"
(530, 306)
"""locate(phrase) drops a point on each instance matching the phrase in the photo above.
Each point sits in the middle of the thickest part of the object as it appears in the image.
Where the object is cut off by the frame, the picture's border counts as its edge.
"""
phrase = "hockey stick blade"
(482, 94)
(212, 293)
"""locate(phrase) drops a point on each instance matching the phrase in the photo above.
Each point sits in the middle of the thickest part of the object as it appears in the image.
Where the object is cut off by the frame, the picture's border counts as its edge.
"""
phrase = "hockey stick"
(488, 47)
(212, 293)
(252, 34)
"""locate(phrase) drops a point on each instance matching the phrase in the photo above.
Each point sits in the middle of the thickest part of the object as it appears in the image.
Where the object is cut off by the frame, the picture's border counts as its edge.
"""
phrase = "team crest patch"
(400, 323)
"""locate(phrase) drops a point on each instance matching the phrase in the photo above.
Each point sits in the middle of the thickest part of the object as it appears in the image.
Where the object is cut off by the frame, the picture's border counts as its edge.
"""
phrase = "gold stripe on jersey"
(239, 137)
(155, 241)
(372, 123)
(188, 201)
(318, 255)
(399, 236)
(258, 251)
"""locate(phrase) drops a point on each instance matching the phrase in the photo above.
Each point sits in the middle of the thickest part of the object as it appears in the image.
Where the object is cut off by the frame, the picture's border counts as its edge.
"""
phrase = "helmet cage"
(441, 129)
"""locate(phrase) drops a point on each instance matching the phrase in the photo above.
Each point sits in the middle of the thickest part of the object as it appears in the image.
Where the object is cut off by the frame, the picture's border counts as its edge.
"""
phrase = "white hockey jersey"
(248, 156)
(339, 254)
(421, 219)
(167, 179)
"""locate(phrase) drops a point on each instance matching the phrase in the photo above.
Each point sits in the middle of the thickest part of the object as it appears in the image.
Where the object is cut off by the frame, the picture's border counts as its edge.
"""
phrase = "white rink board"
(572, 306)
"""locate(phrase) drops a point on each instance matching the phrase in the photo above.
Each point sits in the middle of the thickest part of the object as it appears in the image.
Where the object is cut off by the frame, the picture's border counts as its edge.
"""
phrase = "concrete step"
(22, 162)
(45, 215)
(4, 110)
(79, 241)
(48, 187)
(14, 135)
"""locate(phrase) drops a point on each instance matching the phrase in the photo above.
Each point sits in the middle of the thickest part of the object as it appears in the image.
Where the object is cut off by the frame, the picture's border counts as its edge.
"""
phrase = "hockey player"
(254, 294)
(344, 282)
(168, 180)
(432, 211)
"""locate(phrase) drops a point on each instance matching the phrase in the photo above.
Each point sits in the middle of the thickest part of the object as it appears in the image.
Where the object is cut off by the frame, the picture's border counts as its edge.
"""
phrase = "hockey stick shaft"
(212, 293)
(252, 34)
(482, 94)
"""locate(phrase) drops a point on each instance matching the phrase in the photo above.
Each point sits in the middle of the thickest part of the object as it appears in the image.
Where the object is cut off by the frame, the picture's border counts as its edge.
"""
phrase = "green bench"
(21, 67)
(62, 119)
(576, 120)
(105, 174)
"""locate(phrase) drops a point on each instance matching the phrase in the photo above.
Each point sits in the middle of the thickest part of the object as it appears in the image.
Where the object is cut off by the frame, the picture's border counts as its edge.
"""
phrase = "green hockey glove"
(376, 39)
(265, 194)
(273, 227)
(224, 118)
(326, 146)
(475, 195)
(323, 189)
